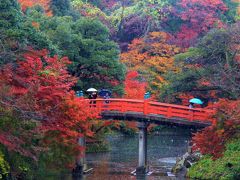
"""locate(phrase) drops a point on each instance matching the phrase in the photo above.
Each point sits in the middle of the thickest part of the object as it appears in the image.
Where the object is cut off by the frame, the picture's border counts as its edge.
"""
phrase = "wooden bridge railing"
(149, 107)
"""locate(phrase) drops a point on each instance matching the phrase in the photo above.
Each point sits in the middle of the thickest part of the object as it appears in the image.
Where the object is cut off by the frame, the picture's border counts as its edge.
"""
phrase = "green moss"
(225, 168)
(192, 52)
(98, 147)
(4, 167)
(125, 129)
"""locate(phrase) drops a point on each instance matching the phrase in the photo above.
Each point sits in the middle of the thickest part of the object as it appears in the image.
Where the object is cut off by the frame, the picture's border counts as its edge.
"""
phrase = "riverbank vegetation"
(175, 49)
(225, 167)
(219, 145)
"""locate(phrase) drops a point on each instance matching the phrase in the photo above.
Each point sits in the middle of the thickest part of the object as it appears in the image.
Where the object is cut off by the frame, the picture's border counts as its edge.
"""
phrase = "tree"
(133, 19)
(220, 52)
(133, 26)
(86, 43)
(61, 7)
(10, 29)
(182, 85)
(17, 33)
(134, 89)
(36, 93)
(45, 4)
(92, 11)
(198, 17)
(151, 57)
(212, 140)
(189, 20)
(210, 70)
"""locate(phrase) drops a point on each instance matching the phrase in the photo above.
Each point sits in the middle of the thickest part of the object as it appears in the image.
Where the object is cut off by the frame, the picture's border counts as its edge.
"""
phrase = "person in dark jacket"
(92, 96)
(106, 97)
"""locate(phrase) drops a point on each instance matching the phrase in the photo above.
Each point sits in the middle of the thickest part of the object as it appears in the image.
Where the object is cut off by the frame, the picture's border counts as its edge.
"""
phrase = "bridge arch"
(146, 112)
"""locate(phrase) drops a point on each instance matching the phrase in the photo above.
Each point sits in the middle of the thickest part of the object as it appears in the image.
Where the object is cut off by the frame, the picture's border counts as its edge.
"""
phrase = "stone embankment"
(186, 161)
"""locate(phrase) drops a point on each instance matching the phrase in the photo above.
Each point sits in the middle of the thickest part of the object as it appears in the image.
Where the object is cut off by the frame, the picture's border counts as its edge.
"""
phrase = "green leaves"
(227, 167)
(86, 43)
(4, 167)
(211, 65)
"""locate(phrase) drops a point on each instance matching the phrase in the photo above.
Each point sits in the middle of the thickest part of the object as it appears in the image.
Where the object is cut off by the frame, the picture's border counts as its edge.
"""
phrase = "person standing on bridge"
(191, 105)
(92, 96)
(195, 101)
(106, 97)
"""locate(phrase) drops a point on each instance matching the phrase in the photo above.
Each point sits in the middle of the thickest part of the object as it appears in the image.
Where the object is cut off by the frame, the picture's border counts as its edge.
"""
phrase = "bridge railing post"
(169, 112)
(191, 115)
(123, 104)
(145, 107)
(98, 106)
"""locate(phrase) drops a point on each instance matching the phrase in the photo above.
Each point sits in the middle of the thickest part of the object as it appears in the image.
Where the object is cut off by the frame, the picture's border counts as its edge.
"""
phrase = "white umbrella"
(91, 90)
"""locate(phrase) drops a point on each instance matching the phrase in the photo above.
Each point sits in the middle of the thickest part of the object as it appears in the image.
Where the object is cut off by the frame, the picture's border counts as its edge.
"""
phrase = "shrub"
(4, 167)
(224, 168)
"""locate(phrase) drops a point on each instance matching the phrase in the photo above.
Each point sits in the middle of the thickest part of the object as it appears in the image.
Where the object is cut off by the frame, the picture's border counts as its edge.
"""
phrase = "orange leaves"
(35, 25)
(151, 56)
(30, 3)
(162, 36)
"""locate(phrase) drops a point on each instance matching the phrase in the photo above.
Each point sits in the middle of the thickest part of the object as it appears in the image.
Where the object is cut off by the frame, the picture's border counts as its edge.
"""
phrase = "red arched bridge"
(152, 112)
(145, 112)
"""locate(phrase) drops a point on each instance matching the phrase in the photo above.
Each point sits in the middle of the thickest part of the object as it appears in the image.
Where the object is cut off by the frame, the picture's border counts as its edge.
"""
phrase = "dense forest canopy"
(175, 49)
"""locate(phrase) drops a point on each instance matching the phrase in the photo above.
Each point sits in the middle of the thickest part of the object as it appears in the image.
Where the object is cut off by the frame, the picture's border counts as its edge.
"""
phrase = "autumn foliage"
(198, 16)
(38, 89)
(151, 57)
(212, 139)
(134, 89)
(30, 3)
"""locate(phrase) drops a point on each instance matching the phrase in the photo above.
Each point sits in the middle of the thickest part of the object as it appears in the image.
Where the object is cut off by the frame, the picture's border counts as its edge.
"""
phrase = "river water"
(163, 149)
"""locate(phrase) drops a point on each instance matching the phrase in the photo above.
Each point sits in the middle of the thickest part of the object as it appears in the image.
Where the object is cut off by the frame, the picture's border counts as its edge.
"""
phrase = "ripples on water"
(163, 149)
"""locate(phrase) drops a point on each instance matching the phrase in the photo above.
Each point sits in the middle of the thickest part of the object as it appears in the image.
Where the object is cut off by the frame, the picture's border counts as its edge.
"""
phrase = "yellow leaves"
(176, 50)
(152, 57)
(160, 36)
(161, 64)
(133, 59)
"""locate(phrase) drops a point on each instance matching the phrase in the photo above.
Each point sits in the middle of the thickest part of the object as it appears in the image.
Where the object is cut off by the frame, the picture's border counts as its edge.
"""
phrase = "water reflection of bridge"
(146, 112)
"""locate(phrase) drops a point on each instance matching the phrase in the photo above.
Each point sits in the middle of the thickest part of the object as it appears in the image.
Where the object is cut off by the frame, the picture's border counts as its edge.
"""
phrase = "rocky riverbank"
(183, 163)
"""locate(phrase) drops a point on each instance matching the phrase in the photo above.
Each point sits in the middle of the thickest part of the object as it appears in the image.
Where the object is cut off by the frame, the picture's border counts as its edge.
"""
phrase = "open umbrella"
(91, 90)
(195, 101)
(103, 92)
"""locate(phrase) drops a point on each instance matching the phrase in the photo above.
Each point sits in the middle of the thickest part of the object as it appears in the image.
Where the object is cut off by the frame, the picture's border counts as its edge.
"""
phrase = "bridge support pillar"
(142, 168)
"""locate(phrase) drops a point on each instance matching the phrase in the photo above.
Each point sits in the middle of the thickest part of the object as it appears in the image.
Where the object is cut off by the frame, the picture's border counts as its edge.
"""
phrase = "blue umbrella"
(195, 101)
(103, 92)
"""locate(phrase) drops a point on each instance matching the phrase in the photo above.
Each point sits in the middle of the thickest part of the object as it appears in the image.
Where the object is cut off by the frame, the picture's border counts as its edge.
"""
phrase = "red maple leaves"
(38, 88)
(198, 16)
(134, 88)
(212, 139)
